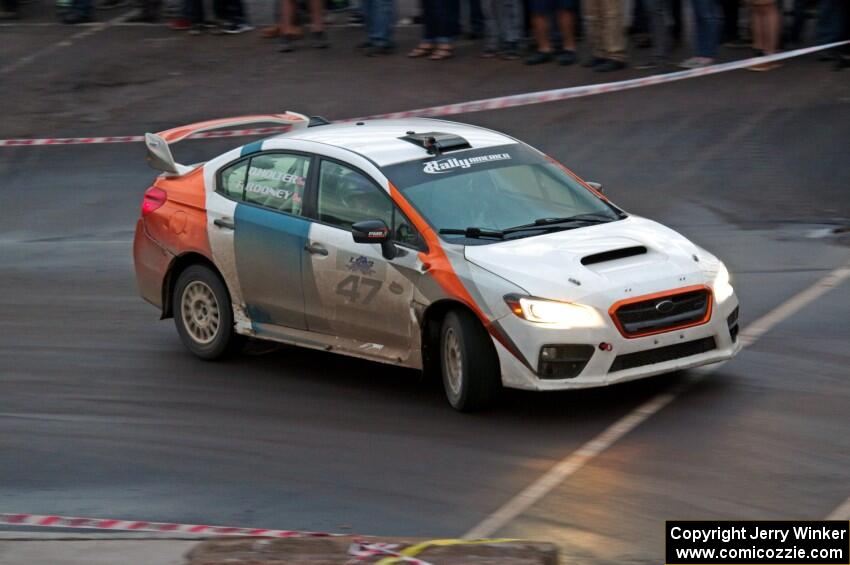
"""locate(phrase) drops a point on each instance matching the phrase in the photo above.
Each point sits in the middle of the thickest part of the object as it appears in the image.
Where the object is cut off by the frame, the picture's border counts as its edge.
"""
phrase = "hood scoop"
(613, 254)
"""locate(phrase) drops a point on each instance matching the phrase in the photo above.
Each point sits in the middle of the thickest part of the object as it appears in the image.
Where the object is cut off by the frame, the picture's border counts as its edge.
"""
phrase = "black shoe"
(142, 19)
(566, 57)
(286, 45)
(609, 65)
(377, 50)
(593, 62)
(319, 40)
(538, 58)
(76, 18)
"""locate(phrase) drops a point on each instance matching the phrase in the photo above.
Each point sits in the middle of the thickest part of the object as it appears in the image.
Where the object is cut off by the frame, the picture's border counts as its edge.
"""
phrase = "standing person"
(764, 17)
(288, 28)
(504, 24)
(235, 18)
(729, 33)
(542, 11)
(605, 29)
(380, 19)
(660, 17)
(440, 29)
(707, 23)
(831, 25)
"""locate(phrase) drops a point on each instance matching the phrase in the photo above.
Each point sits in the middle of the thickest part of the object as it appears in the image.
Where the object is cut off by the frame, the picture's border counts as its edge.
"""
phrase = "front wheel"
(469, 364)
(202, 313)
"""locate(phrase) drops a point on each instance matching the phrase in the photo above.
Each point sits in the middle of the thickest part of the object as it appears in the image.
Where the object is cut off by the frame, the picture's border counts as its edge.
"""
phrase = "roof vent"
(613, 254)
(437, 143)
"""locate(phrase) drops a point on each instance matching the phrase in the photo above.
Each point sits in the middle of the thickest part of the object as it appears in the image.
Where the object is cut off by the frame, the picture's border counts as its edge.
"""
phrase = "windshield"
(497, 189)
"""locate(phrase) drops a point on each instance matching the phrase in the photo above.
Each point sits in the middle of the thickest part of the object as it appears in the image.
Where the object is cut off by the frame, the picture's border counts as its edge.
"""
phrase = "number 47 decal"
(350, 288)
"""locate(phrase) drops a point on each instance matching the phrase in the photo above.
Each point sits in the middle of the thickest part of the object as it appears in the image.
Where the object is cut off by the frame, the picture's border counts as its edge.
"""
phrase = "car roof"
(378, 140)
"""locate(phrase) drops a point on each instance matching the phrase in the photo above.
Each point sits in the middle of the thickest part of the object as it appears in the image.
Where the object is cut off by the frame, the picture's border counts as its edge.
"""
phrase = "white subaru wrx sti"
(426, 244)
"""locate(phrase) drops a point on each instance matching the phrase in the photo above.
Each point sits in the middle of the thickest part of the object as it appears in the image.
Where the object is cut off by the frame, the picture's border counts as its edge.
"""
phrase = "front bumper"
(530, 338)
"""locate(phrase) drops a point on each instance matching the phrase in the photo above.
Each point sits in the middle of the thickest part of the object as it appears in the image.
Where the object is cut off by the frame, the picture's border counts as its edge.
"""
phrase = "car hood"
(567, 265)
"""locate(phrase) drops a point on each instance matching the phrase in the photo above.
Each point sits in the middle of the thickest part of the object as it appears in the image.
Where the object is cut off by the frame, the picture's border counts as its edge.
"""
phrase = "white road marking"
(842, 512)
(88, 30)
(568, 466)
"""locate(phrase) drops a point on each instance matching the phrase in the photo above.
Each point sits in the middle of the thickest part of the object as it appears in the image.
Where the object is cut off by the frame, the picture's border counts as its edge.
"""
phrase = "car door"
(270, 235)
(351, 290)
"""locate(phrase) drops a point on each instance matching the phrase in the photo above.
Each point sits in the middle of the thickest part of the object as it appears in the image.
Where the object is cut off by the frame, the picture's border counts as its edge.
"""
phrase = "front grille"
(663, 313)
(662, 354)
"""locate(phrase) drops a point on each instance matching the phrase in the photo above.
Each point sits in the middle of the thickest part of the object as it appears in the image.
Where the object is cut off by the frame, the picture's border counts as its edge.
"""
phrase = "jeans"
(660, 16)
(504, 22)
(441, 20)
(380, 17)
(832, 15)
(707, 20)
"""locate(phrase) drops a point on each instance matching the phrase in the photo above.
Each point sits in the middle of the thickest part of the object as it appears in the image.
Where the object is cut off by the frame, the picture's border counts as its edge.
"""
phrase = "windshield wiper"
(474, 233)
(543, 223)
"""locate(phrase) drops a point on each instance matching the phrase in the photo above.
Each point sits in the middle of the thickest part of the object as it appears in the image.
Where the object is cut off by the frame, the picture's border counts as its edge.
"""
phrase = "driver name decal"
(445, 165)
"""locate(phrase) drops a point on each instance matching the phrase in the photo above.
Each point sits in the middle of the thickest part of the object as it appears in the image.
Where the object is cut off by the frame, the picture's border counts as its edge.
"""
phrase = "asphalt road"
(103, 413)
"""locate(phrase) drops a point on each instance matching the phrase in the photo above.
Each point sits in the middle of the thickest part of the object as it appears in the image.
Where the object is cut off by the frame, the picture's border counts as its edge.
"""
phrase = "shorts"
(549, 6)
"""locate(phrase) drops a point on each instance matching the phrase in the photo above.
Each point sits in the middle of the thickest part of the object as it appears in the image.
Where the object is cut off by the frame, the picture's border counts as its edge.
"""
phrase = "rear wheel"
(470, 368)
(202, 313)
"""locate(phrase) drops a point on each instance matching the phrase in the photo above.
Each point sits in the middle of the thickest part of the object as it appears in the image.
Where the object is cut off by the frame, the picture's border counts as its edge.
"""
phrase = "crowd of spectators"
(539, 31)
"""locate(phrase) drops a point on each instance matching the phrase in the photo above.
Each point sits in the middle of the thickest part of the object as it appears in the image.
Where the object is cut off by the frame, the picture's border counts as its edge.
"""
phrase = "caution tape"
(497, 103)
(160, 527)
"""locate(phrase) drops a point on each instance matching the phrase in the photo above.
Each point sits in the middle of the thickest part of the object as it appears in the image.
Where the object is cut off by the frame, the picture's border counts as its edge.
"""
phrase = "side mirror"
(375, 231)
(595, 186)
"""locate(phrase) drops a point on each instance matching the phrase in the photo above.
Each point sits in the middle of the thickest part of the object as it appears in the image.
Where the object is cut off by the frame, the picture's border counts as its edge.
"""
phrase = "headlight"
(553, 312)
(722, 288)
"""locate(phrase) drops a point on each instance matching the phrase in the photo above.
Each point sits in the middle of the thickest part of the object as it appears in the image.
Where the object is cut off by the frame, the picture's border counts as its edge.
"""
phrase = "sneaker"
(73, 18)
(489, 53)
(196, 29)
(652, 63)
(696, 62)
(234, 28)
(538, 57)
(593, 62)
(377, 50)
(286, 45)
(566, 58)
(609, 66)
(509, 54)
(319, 40)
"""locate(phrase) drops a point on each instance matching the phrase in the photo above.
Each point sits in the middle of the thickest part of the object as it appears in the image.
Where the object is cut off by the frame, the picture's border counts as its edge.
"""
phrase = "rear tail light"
(153, 200)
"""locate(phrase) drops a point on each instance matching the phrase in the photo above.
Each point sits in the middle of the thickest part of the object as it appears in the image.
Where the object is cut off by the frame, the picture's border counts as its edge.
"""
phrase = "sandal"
(421, 50)
(441, 53)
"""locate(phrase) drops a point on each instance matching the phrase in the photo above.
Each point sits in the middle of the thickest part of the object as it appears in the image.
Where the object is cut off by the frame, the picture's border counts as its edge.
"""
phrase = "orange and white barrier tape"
(482, 105)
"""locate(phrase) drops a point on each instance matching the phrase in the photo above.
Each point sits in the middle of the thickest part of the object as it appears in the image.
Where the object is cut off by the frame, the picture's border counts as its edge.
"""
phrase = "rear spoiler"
(159, 153)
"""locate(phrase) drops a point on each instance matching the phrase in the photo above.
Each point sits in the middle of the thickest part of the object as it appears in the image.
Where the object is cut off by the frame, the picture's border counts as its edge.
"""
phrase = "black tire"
(196, 331)
(479, 380)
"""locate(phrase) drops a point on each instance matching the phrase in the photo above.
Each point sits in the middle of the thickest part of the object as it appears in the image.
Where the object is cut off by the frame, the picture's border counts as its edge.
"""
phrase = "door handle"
(315, 249)
(226, 223)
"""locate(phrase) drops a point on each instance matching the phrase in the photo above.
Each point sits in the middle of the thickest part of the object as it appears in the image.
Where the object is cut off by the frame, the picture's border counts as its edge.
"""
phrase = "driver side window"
(347, 197)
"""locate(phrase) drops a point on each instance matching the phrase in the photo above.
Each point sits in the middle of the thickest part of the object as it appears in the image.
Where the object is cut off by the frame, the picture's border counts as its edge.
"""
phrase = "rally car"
(429, 244)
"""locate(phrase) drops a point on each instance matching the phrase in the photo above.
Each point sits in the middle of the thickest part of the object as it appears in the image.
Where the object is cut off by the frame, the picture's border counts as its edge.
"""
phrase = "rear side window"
(277, 181)
(232, 180)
